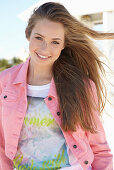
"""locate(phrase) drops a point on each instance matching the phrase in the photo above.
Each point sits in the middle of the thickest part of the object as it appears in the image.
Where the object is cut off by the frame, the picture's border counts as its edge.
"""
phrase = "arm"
(102, 156)
(5, 162)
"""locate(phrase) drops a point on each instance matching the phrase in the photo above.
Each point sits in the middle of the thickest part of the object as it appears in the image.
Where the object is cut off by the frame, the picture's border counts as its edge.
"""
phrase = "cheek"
(32, 45)
(59, 52)
(56, 54)
(30, 48)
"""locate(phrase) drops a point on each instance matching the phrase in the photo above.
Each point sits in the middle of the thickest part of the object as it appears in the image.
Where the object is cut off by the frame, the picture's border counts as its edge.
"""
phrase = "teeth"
(42, 56)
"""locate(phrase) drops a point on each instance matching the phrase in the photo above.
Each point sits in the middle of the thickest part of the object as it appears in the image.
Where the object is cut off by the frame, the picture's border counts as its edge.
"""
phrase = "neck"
(38, 75)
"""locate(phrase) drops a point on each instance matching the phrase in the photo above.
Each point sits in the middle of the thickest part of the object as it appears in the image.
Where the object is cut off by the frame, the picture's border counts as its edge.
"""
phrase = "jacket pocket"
(8, 96)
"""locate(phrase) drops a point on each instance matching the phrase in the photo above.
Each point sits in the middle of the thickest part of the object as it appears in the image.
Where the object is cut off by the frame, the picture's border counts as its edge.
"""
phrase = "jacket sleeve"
(5, 162)
(98, 142)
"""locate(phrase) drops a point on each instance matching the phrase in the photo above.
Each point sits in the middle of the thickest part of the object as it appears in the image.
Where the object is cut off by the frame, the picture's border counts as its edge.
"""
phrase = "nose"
(45, 49)
(45, 46)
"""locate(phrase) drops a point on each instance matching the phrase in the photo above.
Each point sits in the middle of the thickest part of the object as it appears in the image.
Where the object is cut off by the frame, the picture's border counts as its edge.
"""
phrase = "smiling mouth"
(42, 57)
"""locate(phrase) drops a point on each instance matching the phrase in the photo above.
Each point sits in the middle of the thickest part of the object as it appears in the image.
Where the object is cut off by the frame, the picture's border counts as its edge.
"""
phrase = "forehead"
(49, 28)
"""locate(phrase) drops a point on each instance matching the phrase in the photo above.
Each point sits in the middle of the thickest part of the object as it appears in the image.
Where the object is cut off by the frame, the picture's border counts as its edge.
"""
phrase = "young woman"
(50, 106)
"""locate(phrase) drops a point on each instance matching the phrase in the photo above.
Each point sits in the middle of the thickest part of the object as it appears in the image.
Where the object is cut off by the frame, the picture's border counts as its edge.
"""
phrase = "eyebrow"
(44, 36)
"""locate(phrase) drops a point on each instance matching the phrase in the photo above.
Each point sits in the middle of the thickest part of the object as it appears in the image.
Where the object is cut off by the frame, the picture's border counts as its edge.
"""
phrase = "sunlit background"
(98, 15)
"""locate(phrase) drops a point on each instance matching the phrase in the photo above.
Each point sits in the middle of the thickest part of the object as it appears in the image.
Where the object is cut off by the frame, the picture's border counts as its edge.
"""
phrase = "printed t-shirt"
(41, 143)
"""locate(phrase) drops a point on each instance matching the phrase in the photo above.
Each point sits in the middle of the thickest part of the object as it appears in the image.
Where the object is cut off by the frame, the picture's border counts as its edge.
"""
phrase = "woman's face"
(46, 42)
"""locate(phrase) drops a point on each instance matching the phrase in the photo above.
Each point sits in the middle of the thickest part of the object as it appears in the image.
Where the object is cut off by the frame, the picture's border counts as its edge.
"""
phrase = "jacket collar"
(21, 78)
(22, 74)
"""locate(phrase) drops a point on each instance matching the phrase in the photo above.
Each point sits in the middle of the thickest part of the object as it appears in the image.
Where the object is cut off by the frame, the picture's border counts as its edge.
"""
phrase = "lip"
(42, 58)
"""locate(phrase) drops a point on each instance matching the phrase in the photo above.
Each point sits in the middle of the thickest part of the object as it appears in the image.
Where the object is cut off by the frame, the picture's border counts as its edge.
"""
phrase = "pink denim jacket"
(88, 149)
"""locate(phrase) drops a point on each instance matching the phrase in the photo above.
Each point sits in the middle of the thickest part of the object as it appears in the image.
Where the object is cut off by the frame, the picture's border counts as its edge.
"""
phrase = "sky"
(12, 29)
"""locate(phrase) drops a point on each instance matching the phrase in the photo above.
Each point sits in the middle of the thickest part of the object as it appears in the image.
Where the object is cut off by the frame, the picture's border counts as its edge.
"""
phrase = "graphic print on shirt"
(41, 143)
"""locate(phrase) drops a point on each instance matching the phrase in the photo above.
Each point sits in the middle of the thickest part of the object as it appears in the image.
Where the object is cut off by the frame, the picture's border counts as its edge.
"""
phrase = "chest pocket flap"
(8, 96)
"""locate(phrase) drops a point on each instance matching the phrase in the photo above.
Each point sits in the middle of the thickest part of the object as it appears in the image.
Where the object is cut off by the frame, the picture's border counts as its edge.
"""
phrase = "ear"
(28, 38)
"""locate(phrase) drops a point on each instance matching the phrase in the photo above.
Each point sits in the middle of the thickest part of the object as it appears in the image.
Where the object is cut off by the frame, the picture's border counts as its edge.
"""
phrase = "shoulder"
(10, 70)
(5, 74)
(89, 84)
(91, 89)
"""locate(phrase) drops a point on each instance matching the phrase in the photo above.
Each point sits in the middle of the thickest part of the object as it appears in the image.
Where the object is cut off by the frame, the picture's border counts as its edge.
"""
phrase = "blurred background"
(98, 15)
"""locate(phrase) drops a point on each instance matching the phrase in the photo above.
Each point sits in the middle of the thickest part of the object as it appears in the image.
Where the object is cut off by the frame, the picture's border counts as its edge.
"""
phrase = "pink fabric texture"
(88, 149)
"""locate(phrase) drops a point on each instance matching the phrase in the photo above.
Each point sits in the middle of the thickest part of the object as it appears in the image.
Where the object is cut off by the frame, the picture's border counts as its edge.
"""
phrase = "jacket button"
(74, 146)
(86, 162)
(5, 97)
(58, 113)
(49, 98)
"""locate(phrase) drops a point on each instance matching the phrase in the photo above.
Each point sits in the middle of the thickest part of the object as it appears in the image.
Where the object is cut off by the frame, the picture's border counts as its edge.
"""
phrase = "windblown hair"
(77, 67)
